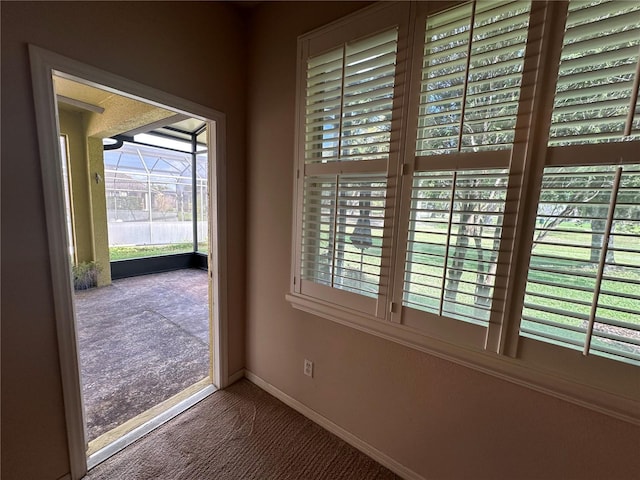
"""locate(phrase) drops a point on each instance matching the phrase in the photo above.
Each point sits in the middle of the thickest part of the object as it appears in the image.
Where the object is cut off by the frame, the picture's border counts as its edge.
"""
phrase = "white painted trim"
(80, 104)
(380, 457)
(43, 64)
(218, 250)
(50, 163)
(126, 440)
(239, 375)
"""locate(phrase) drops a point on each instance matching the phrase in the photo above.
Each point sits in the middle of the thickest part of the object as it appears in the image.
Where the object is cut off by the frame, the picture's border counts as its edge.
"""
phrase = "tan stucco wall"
(98, 200)
(440, 419)
(122, 114)
(178, 49)
(72, 126)
(87, 196)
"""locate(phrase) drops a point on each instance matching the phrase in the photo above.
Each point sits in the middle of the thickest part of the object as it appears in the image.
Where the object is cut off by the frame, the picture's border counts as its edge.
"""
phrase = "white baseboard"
(236, 376)
(337, 430)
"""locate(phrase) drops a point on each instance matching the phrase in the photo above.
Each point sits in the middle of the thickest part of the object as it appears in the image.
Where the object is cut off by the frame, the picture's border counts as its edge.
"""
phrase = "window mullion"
(406, 162)
(544, 46)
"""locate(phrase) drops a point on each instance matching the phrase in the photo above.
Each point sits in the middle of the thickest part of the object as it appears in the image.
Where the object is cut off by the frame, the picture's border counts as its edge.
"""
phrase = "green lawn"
(561, 278)
(142, 251)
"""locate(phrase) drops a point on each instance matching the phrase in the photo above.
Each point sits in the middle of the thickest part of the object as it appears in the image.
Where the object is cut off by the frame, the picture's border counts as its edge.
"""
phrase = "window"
(585, 264)
(68, 208)
(585, 260)
(351, 95)
(471, 75)
(149, 201)
(473, 189)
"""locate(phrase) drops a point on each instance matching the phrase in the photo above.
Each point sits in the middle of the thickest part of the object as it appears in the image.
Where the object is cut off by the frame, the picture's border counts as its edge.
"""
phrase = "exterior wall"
(71, 125)
(98, 203)
(87, 195)
(176, 47)
(437, 418)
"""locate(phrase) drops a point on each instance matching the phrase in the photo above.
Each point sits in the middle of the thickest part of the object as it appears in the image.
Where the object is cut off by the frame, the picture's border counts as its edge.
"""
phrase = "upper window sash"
(471, 77)
(596, 99)
(349, 101)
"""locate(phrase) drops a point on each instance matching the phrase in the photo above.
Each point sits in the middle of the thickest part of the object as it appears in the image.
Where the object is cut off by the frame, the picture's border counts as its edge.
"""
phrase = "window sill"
(603, 385)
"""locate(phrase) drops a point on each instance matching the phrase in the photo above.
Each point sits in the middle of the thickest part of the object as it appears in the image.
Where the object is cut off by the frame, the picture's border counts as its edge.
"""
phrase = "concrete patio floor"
(141, 340)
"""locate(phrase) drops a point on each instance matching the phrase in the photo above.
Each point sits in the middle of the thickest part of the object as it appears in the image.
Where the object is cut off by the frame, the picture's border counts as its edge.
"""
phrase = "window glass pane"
(202, 199)
(563, 282)
(471, 77)
(66, 183)
(149, 201)
(598, 64)
(349, 101)
(454, 238)
(342, 231)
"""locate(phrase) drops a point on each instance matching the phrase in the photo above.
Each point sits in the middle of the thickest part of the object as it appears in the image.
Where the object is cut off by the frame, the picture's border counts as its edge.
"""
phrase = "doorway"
(45, 67)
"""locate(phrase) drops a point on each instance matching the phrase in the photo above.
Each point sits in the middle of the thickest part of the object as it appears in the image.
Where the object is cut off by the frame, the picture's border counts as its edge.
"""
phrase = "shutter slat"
(613, 41)
(605, 57)
(593, 28)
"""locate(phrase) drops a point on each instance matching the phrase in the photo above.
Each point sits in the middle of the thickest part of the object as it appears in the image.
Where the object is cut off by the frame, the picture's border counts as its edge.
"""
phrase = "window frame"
(595, 382)
(371, 21)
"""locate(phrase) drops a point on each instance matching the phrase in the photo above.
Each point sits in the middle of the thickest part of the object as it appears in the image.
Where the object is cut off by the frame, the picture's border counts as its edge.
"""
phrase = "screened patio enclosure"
(156, 197)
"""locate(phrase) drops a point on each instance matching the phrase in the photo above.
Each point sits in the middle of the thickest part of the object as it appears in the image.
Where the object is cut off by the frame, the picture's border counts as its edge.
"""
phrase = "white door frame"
(43, 65)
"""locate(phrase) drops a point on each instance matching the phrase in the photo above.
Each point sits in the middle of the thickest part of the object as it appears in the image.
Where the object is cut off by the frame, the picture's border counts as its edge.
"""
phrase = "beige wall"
(190, 49)
(437, 418)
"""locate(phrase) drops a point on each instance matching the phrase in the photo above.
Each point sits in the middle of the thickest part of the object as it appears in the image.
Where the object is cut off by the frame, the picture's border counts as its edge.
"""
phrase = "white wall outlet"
(308, 368)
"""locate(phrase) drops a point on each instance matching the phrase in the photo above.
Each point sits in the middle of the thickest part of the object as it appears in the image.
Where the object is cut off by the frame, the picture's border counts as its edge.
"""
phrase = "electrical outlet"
(308, 368)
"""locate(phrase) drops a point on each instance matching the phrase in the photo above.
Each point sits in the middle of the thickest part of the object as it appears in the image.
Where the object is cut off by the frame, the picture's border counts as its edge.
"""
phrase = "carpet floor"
(240, 433)
(141, 340)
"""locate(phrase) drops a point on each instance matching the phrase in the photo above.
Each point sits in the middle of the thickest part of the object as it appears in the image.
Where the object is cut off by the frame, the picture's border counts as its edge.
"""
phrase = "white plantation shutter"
(584, 271)
(348, 109)
(471, 76)
(342, 233)
(425, 132)
(584, 268)
(469, 99)
(595, 100)
(349, 101)
(454, 238)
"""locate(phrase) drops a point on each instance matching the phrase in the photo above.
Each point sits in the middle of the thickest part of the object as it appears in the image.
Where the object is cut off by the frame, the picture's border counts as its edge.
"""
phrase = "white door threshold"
(130, 437)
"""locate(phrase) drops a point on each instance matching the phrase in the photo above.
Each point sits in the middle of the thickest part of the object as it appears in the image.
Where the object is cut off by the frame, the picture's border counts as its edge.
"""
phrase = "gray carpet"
(240, 433)
(141, 340)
